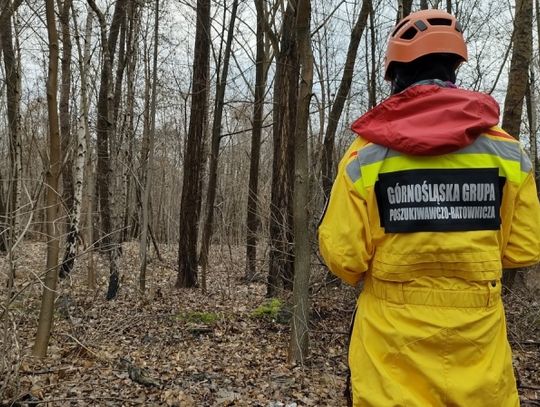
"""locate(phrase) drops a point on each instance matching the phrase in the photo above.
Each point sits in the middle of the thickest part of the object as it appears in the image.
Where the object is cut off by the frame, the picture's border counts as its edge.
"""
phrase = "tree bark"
(53, 173)
(373, 70)
(104, 129)
(299, 342)
(281, 267)
(533, 123)
(252, 219)
(517, 83)
(341, 97)
(190, 205)
(84, 177)
(214, 153)
(68, 195)
(148, 176)
(404, 9)
(12, 83)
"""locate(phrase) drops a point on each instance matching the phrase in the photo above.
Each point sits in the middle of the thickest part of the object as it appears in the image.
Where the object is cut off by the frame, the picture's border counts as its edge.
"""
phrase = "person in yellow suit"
(431, 201)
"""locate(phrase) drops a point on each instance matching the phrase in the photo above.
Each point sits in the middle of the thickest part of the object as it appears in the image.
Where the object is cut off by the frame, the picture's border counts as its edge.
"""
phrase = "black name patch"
(436, 200)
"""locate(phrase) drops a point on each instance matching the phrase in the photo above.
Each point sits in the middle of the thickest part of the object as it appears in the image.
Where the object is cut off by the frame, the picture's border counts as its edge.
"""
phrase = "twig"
(529, 387)
(85, 347)
(132, 401)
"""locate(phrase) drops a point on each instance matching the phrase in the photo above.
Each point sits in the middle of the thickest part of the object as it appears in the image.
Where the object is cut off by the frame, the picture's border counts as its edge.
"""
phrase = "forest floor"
(225, 347)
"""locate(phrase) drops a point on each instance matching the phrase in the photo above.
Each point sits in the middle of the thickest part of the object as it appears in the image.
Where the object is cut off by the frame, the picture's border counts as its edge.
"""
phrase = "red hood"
(429, 120)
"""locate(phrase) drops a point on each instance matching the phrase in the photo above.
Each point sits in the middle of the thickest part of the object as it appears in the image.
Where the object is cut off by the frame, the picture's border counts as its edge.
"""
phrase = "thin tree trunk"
(449, 6)
(214, 153)
(12, 81)
(299, 343)
(373, 73)
(131, 64)
(424, 5)
(404, 9)
(190, 206)
(533, 122)
(84, 150)
(252, 219)
(104, 130)
(281, 265)
(517, 83)
(148, 177)
(53, 173)
(341, 97)
(65, 128)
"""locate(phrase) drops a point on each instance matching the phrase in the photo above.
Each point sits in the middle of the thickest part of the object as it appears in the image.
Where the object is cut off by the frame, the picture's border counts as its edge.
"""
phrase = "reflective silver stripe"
(353, 170)
(526, 164)
(368, 155)
(483, 145)
(372, 154)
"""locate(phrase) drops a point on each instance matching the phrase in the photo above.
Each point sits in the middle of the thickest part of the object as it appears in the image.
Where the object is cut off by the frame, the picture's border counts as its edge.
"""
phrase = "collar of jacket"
(429, 119)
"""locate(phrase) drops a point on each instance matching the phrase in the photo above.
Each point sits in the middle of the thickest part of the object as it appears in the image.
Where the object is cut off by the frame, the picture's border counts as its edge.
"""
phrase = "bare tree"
(517, 82)
(190, 205)
(12, 84)
(65, 134)
(83, 193)
(281, 264)
(341, 97)
(53, 174)
(214, 152)
(404, 9)
(104, 131)
(148, 167)
(252, 220)
(299, 343)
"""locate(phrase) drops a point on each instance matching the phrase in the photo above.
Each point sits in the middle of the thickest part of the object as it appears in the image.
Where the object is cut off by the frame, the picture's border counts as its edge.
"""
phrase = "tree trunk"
(536, 162)
(533, 123)
(12, 83)
(104, 129)
(53, 173)
(65, 128)
(84, 150)
(373, 70)
(298, 348)
(404, 9)
(424, 5)
(252, 219)
(517, 83)
(130, 186)
(148, 167)
(190, 205)
(341, 97)
(214, 153)
(281, 265)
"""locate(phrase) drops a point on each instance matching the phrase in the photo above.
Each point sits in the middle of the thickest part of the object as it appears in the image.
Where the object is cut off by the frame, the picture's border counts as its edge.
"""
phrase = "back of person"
(430, 202)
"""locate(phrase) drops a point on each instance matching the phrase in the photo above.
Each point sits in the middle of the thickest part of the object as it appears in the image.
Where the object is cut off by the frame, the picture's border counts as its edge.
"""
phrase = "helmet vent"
(399, 27)
(421, 25)
(409, 34)
(440, 21)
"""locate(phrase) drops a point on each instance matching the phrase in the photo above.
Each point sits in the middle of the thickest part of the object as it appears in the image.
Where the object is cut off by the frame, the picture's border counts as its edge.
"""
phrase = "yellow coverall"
(430, 235)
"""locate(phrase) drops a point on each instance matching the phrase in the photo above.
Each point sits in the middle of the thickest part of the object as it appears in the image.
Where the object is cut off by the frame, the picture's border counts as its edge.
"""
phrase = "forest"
(164, 167)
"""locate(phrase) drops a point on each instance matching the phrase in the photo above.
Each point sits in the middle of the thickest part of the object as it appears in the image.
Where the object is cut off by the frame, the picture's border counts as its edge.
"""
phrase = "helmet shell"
(422, 33)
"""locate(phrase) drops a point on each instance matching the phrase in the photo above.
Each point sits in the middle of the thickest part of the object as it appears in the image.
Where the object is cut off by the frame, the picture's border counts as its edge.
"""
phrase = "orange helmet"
(422, 33)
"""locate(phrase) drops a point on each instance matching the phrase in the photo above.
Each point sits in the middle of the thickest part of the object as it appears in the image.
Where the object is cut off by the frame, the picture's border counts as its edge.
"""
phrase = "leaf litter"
(186, 347)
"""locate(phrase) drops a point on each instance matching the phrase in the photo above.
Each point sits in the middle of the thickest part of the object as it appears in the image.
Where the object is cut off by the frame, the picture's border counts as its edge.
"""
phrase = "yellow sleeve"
(344, 238)
(523, 247)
